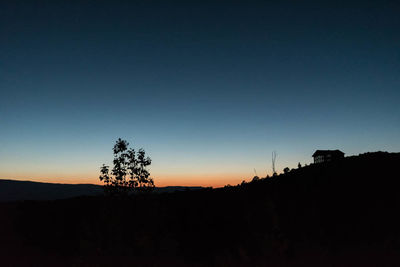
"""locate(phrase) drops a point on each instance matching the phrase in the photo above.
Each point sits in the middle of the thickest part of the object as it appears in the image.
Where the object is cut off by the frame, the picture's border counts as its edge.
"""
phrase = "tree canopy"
(129, 171)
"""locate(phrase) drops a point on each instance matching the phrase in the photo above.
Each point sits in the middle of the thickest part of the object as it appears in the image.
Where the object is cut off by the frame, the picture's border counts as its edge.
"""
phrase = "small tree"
(286, 170)
(129, 171)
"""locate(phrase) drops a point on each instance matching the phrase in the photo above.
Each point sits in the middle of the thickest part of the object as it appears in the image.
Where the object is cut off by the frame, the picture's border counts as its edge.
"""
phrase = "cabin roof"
(326, 152)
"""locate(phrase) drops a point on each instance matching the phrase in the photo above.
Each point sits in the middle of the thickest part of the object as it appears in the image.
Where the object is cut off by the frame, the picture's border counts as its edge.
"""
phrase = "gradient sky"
(208, 90)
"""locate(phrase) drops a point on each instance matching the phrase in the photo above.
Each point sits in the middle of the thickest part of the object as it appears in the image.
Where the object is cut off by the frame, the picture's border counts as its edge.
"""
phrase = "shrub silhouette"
(129, 171)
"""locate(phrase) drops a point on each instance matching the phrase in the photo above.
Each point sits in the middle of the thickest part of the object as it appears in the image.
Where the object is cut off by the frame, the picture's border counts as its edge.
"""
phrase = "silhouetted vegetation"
(342, 213)
(129, 171)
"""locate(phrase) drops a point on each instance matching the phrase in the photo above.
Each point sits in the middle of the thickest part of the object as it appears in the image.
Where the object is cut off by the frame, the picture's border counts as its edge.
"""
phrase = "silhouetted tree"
(286, 170)
(299, 165)
(129, 171)
(255, 178)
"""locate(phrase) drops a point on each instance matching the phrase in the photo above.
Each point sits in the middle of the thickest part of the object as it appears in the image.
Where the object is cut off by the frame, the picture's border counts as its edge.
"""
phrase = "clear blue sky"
(208, 90)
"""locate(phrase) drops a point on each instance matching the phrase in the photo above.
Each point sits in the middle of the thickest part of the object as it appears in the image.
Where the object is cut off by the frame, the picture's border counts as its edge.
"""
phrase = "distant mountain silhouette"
(13, 190)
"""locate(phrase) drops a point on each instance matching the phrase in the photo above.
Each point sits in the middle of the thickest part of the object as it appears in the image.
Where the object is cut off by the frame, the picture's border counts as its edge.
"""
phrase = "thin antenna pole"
(273, 162)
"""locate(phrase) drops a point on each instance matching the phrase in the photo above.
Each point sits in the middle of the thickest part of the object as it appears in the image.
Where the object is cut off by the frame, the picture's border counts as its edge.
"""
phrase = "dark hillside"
(13, 190)
(341, 213)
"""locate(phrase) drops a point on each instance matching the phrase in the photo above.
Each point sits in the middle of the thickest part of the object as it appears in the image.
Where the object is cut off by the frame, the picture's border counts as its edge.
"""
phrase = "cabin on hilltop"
(321, 156)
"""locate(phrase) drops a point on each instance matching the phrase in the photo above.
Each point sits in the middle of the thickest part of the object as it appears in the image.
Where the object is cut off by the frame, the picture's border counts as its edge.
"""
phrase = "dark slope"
(13, 190)
(337, 214)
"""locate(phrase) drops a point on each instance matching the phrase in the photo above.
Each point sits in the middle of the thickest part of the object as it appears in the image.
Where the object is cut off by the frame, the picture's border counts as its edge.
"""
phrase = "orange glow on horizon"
(205, 180)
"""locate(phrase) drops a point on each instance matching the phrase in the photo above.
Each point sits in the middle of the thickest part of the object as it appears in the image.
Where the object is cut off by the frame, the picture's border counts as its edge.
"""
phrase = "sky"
(208, 89)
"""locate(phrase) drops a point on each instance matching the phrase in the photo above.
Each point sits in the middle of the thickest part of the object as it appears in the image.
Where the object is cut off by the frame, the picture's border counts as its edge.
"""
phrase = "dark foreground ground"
(338, 214)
